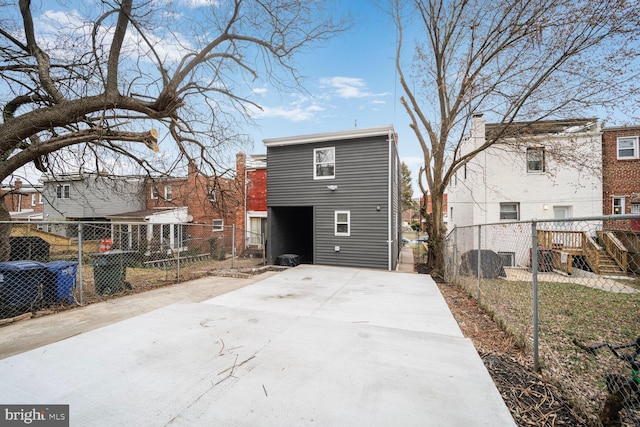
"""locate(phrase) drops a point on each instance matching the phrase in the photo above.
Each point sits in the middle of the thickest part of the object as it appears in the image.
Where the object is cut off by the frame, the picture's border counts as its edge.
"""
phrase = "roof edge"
(328, 136)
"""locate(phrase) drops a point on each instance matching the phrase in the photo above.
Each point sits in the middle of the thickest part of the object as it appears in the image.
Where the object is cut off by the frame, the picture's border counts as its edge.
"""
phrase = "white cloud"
(200, 3)
(349, 87)
(292, 113)
(260, 91)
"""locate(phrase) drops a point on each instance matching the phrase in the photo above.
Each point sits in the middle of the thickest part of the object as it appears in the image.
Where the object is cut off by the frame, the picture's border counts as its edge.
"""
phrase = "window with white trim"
(211, 194)
(218, 224)
(168, 195)
(324, 163)
(617, 205)
(40, 199)
(343, 223)
(510, 211)
(154, 192)
(627, 147)
(33, 200)
(63, 191)
(635, 208)
(535, 159)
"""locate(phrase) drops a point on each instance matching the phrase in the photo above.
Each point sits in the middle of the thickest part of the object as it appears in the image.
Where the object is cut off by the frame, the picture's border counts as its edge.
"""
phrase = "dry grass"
(567, 312)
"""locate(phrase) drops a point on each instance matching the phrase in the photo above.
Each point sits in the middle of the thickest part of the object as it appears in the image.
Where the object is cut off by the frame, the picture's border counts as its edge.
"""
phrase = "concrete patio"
(311, 345)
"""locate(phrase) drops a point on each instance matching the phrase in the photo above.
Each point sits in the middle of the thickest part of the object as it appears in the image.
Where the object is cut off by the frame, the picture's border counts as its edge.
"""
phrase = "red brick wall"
(620, 177)
(193, 192)
(257, 190)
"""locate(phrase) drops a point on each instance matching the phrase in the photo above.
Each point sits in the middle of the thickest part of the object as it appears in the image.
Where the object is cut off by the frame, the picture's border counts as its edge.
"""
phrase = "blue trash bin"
(60, 282)
(20, 284)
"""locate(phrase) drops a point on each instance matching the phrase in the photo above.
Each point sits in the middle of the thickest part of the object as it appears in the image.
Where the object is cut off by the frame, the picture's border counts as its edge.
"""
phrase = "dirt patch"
(531, 399)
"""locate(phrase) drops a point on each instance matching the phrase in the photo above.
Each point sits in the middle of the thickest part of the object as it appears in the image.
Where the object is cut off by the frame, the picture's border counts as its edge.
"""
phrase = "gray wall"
(94, 197)
(361, 174)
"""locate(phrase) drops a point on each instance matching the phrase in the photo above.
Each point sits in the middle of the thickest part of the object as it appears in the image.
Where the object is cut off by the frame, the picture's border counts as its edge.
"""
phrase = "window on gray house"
(628, 147)
(535, 159)
(510, 211)
(63, 191)
(343, 223)
(324, 166)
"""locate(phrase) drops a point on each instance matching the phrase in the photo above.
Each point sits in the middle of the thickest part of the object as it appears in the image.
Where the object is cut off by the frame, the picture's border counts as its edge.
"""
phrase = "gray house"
(89, 197)
(334, 198)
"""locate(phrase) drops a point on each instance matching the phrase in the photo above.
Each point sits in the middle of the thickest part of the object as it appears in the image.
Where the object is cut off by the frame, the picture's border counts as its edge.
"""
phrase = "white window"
(40, 199)
(628, 147)
(510, 211)
(617, 205)
(561, 212)
(218, 225)
(343, 223)
(212, 194)
(324, 166)
(62, 191)
(535, 159)
(33, 199)
(635, 208)
(154, 192)
(167, 192)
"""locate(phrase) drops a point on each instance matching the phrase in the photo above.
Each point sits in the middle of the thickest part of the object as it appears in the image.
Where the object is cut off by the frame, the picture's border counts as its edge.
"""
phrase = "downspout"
(389, 222)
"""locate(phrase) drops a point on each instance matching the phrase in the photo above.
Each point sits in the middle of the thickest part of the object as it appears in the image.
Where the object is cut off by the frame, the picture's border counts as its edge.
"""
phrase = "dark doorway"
(291, 232)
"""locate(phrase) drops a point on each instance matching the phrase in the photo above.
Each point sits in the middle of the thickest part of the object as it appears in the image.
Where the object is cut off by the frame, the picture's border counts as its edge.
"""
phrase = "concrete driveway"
(311, 345)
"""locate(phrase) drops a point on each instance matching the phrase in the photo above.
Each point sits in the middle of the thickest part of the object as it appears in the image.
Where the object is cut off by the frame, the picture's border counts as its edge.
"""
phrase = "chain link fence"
(54, 265)
(569, 291)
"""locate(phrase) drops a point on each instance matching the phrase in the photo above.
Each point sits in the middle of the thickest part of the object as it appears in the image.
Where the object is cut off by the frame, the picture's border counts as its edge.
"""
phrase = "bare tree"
(102, 82)
(512, 60)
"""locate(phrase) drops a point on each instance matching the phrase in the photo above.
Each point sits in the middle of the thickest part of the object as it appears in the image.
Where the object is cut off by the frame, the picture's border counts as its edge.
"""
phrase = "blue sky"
(351, 82)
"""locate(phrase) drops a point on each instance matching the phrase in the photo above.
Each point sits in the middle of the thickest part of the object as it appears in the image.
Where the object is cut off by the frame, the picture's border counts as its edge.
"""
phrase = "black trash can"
(60, 282)
(110, 271)
(20, 283)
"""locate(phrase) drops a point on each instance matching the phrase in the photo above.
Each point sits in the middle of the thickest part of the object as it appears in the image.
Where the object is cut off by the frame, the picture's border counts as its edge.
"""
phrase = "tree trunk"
(5, 232)
(437, 235)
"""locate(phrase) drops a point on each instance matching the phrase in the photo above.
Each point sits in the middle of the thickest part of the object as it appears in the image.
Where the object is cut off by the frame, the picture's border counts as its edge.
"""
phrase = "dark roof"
(541, 127)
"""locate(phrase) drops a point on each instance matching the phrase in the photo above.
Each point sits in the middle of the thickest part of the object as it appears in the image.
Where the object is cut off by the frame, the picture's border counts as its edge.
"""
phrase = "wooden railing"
(558, 239)
(591, 252)
(615, 248)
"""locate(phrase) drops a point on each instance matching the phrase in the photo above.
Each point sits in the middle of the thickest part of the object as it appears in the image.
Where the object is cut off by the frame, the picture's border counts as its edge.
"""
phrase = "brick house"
(621, 174)
(210, 201)
(23, 201)
(251, 182)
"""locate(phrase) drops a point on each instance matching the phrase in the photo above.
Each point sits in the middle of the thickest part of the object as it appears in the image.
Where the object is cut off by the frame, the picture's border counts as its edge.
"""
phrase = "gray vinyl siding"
(362, 177)
(93, 198)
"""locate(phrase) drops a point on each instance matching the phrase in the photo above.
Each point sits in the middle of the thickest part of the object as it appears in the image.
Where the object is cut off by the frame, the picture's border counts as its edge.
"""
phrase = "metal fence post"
(455, 254)
(479, 260)
(178, 245)
(534, 270)
(80, 280)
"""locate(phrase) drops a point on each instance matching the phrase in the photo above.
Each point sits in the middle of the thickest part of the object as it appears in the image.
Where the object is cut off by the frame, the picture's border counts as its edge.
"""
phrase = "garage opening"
(291, 232)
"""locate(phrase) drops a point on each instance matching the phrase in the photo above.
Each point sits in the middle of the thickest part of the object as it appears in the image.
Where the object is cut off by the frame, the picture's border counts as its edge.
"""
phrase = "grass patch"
(567, 312)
